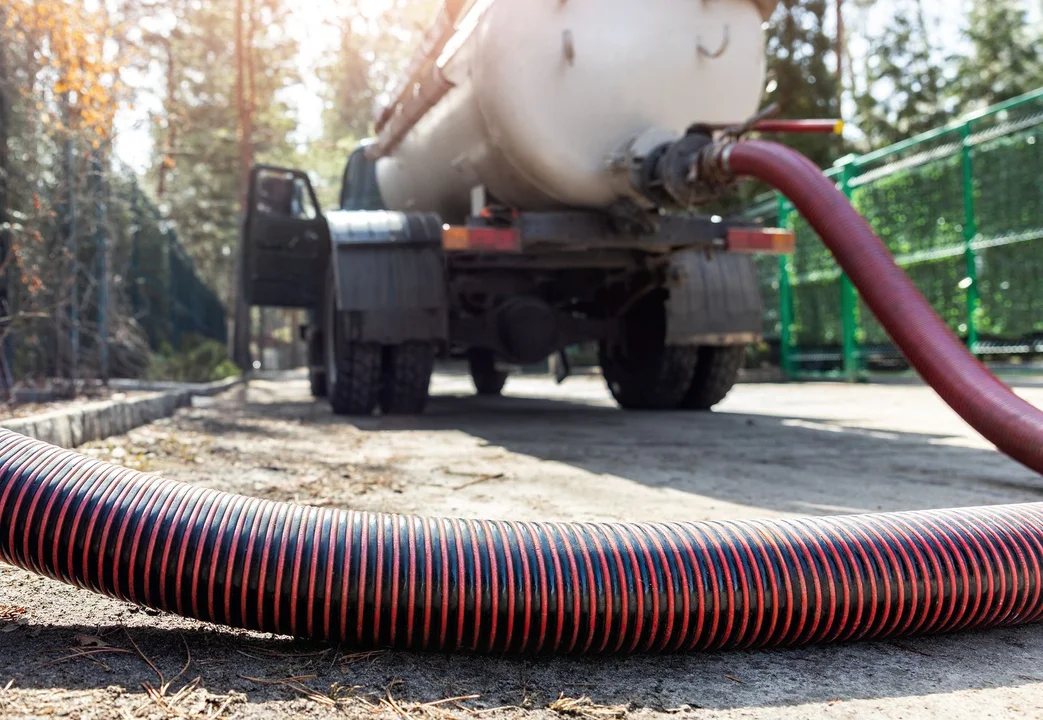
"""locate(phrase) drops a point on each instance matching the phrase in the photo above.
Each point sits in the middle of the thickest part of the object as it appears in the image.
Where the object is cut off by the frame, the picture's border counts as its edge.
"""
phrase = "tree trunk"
(841, 48)
(296, 347)
(241, 336)
(251, 78)
(70, 309)
(171, 134)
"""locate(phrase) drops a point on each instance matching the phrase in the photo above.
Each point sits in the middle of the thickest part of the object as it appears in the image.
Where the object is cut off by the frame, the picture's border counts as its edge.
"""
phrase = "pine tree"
(904, 86)
(367, 67)
(196, 136)
(351, 96)
(349, 101)
(1004, 60)
(802, 72)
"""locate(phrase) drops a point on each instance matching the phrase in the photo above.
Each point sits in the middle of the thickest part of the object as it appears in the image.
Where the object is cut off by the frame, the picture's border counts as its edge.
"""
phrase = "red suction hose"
(989, 406)
(380, 580)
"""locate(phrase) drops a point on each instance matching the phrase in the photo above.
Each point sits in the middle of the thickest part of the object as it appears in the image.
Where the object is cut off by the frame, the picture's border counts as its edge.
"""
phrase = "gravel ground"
(545, 452)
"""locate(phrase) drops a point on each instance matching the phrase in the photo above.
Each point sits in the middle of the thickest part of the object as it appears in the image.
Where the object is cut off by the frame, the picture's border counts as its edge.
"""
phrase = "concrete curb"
(97, 421)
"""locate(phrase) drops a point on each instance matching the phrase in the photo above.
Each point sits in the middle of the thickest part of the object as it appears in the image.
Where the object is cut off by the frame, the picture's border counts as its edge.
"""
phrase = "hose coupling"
(710, 174)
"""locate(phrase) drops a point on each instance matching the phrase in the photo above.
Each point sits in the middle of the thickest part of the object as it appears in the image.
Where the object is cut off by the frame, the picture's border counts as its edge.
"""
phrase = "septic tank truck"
(528, 188)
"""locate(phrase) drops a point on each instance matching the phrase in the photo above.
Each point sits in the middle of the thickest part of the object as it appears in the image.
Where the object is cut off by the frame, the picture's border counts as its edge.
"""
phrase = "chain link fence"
(96, 279)
(167, 297)
(960, 208)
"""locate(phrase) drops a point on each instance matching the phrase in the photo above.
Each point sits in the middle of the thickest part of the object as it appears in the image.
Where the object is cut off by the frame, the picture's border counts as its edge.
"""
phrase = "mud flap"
(390, 276)
(715, 299)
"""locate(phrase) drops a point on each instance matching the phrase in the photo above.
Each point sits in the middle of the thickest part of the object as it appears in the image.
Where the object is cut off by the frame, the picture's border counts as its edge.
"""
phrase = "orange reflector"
(454, 238)
(772, 241)
(481, 239)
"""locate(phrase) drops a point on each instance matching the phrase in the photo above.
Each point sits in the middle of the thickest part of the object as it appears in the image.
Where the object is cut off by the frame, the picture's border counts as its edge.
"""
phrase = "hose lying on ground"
(374, 579)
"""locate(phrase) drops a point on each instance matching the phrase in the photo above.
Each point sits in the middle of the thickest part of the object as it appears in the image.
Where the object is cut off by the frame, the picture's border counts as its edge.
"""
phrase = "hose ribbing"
(376, 580)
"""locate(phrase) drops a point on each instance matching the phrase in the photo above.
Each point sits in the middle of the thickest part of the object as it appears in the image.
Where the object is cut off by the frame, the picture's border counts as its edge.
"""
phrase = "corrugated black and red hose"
(372, 579)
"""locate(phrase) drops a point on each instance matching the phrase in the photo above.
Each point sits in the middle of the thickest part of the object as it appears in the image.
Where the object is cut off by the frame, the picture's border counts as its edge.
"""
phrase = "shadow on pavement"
(785, 464)
(225, 660)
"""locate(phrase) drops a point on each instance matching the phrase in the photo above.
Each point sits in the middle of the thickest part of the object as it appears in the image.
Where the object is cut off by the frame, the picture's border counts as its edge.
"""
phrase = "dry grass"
(341, 696)
(584, 707)
(176, 705)
(11, 613)
(3, 694)
(336, 695)
(357, 657)
(308, 659)
(434, 709)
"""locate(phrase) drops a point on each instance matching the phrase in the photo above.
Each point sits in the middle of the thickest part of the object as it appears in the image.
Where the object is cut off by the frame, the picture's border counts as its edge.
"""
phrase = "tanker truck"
(528, 188)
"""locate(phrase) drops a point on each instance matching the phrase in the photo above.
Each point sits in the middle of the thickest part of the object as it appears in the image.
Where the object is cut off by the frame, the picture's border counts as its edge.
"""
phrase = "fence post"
(101, 264)
(785, 301)
(172, 290)
(6, 258)
(848, 296)
(135, 257)
(970, 233)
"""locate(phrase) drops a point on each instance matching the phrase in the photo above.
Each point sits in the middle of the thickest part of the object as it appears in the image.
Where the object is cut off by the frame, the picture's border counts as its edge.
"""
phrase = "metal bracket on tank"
(568, 47)
(719, 51)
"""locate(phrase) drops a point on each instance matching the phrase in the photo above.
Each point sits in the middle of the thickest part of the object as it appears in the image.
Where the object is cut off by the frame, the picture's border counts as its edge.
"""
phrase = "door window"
(284, 194)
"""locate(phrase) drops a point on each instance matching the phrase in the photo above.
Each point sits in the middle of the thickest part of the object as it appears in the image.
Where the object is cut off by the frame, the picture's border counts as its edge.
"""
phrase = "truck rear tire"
(352, 368)
(406, 381)
(356, 383)
(643, 372)
(716, 372)
(488, 381)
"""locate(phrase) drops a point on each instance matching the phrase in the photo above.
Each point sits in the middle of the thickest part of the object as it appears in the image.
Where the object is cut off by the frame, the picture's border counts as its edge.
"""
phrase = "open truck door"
(286, 240)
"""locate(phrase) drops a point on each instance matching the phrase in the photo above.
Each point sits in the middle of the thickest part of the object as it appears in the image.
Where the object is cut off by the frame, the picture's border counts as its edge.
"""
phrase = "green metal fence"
(168, 297)
(961, 209)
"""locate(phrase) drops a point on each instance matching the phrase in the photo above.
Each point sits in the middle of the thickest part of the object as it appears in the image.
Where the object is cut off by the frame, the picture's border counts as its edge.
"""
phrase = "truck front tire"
(406, 378)
(317, 381)
(643, 372)
(488, 381)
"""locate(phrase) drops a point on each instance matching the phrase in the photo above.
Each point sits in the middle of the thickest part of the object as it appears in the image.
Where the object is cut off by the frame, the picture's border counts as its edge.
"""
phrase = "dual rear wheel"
(365, 376)
(644, 373)
(362, 376)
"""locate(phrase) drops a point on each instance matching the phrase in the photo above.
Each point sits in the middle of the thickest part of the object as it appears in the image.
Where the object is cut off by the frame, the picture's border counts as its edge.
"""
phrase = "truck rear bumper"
(541, 233)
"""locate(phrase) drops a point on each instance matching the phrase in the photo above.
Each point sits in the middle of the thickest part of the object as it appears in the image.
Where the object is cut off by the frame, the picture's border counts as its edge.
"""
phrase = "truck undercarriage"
(670, 300)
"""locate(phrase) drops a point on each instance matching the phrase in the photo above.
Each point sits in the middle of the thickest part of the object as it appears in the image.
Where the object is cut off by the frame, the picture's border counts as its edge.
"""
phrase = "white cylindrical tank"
(547, 92)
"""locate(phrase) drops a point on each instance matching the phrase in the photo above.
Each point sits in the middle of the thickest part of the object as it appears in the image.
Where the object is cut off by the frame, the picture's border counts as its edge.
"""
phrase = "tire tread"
(406, 378)
(488, 381)
(716, 372)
